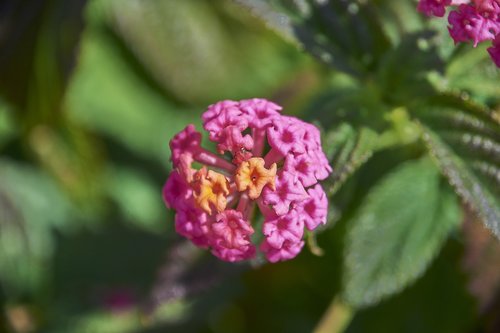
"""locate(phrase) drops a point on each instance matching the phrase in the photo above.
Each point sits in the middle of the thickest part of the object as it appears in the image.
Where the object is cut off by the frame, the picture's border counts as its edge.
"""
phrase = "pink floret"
(314, 209)
(186, 141)
(323, 168)
(312, 137)
(176, 192)
(231, 139)
(231, 237)
(192, 223)
(433, 7)
(302, 168)
(233, 255)
(490, 7)
(288, 251)
(288, 191)
(231, 116)
(215, 109)
(466, 24)
(260, 112)
(287, 136)
(494, 51)
(288, 227)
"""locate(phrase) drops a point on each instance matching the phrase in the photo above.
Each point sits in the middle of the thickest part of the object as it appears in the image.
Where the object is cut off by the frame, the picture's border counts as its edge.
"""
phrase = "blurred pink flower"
(494, 51)
(472, 20)
(433, 7)
(466, 24)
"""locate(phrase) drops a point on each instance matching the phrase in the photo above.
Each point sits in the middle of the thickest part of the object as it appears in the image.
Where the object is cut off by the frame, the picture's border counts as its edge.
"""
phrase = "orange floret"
(212, 189)
(253, 175)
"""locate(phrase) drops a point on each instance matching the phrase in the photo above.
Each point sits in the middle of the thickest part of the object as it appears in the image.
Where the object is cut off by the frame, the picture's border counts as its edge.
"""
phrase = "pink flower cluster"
(471, 21)
(267, 163)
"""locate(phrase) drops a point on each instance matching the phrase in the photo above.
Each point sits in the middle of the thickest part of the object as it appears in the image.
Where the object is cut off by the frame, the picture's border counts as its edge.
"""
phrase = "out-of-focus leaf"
(403, 72)
(398, 18)
(274, 19)
(439, 302)
(403, 131)
(400, 228)
(348, 148)
(73, 158)
(37, 45)
(7, 126)
(347, 35)
(187, 47)
(103, 321)
(108, 95)
(21, 21)
(464, 138)
(36, 63)
(349, 103)
(473, 71)
(31, 207)
(137, 197)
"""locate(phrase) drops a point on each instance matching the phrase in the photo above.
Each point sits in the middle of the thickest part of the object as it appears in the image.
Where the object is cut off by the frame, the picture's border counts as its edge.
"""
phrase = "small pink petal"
(286, 135)
(186, 141)
(314, 210)
(288, 191)
(288, 251)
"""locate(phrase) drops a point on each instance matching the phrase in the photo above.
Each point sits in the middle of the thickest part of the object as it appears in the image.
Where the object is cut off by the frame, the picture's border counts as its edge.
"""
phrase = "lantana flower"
(473, 21)
(267, 164)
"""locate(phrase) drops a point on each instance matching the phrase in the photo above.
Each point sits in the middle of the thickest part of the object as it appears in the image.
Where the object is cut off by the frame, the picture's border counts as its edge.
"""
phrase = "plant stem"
(336, 318)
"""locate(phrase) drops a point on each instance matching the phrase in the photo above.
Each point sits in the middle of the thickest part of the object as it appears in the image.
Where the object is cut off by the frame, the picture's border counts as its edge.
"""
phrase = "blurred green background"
(92, 91)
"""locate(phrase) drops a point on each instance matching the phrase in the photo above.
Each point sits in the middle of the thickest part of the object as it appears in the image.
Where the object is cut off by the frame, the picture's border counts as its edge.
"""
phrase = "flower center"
(288, 137)
(252, 175)
(212, 191)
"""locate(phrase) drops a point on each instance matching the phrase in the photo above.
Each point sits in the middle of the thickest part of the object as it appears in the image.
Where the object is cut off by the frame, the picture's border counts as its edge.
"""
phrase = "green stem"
(336, 318)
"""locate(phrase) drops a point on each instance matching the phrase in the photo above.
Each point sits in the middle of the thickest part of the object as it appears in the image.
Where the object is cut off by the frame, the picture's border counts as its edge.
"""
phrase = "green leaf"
(7, 126)
(399, 18)
(38, 46)
(346, 35)
(464, 139)
(348, 149)
(439, 302)
(138, 198)
(193, 48)
(109, 96)
(465, 182)
(401, 83)
(473, 71)
(31, 207)
(274, 19)
(399, 229)
(348, 102)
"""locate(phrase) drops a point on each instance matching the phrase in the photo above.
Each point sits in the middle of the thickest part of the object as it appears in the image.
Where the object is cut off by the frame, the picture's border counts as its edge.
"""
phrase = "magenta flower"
(288, 191)
(287, 136)
(494, 51)
(287, 251)
(473, 20)
(302, 167)
(215, 205)
(433, 7)
(191, 222)
(467, 23)
(313, 210)
(288, 227)
(176, 192)
(489, 8)
(231, 236)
